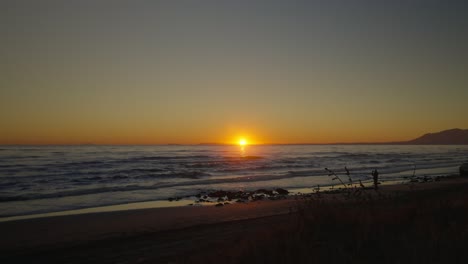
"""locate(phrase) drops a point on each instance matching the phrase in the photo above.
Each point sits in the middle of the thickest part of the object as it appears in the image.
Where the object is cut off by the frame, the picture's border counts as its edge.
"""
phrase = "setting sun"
(242, 142)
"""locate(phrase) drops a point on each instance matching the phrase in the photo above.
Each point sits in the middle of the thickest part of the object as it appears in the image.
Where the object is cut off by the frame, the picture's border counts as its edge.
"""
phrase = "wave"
(86, 176)
(356, 173)
(98, 163)
(370, 162)
(87, 179)
(267, 168)
(140, 170)
(6, 158)
(81, 163)
(12, 166)
(8, 184)
(181, 174)
(149, 158)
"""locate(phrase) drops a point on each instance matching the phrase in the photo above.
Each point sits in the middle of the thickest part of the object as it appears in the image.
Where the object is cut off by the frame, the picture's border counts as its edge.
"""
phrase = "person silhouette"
(375, 176)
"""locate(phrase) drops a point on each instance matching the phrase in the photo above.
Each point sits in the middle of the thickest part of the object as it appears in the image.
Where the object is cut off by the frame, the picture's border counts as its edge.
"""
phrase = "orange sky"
(158, 73)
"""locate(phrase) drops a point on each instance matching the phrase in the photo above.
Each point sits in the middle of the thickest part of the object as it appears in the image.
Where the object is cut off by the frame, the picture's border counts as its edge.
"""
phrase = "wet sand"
(75, 229)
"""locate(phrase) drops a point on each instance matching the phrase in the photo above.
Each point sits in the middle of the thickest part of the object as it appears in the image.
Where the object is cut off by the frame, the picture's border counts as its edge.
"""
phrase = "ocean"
(45, 179)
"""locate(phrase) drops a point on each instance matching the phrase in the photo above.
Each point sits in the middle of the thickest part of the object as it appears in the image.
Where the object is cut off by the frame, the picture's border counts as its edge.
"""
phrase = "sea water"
(42, 179)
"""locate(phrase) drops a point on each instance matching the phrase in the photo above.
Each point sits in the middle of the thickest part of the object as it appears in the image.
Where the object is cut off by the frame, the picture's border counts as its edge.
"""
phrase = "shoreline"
(185, 201)
(71, 230)
(191, 200)
(176, 203)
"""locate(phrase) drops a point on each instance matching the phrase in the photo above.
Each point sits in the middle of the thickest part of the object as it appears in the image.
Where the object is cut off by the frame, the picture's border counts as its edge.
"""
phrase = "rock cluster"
(222, 198)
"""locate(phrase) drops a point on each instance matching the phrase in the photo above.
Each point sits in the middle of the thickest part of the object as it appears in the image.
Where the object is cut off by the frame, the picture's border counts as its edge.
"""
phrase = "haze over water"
(38, 179)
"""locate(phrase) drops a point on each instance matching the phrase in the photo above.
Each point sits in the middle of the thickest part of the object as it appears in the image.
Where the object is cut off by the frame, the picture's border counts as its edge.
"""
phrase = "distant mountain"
(447, 137)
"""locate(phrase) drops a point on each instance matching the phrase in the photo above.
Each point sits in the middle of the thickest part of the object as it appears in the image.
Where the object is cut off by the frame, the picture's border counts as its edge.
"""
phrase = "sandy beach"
(179, 234)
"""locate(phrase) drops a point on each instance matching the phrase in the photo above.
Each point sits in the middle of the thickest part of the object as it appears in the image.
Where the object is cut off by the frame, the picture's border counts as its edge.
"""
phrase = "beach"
(195, 234)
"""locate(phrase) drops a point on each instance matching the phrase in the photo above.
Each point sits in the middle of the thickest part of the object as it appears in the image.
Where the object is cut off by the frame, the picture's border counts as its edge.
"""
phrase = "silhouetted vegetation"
(372, 227)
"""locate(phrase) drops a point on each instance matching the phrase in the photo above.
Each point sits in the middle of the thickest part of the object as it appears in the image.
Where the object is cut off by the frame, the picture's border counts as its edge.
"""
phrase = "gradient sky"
(155, 72)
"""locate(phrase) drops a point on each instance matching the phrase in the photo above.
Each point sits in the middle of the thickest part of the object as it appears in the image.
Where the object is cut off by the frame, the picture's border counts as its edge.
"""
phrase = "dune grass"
(369, 226)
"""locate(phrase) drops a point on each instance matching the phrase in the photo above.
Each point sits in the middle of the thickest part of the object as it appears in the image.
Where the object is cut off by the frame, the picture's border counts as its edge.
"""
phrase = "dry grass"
(422, 227)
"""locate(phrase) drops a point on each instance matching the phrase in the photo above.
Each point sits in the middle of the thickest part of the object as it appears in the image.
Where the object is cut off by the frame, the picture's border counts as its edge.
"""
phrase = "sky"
(188, 72)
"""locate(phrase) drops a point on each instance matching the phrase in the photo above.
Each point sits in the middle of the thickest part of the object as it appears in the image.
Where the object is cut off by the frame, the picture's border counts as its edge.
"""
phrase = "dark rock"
(235, 195)
(171, 199)
(218, 194)
(464, 169)
(269, 192)
(258, 197)
(219, 204)
(282, 191)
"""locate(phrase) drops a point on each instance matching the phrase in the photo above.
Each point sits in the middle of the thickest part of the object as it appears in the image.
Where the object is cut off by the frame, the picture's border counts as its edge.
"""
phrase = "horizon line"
(228, 144)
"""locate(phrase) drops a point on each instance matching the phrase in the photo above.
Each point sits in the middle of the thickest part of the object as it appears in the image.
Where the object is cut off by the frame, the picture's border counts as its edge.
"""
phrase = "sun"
(242, 142)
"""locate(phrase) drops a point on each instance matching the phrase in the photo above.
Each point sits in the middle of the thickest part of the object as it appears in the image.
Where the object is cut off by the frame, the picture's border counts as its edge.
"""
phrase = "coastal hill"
(447, 137)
